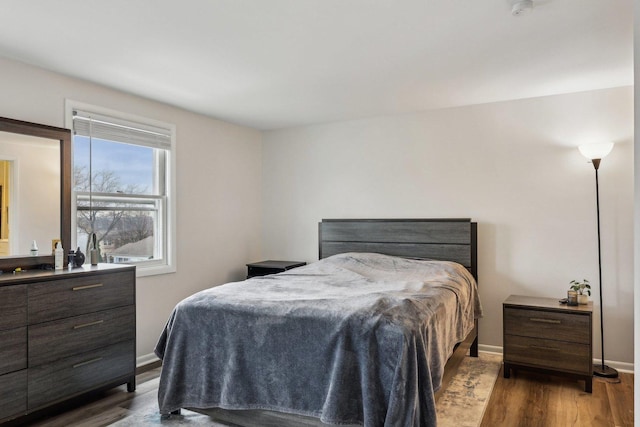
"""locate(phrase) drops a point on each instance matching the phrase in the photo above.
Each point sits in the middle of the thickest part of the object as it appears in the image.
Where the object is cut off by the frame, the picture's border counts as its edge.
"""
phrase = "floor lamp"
(595, 153)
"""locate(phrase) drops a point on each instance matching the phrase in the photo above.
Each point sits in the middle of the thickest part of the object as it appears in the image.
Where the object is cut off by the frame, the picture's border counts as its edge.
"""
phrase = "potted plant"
(583, 289)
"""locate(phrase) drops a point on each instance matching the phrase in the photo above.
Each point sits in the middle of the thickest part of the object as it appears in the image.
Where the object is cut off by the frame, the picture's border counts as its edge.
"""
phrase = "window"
(122, 191)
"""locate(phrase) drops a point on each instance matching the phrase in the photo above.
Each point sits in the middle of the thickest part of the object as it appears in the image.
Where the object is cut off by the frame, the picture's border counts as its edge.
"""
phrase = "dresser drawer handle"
(79, 288)
(535, 319)
(77, 365)
(84, 325)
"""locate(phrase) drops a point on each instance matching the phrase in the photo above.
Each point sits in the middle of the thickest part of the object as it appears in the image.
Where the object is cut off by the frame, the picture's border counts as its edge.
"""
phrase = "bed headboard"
(440, 239)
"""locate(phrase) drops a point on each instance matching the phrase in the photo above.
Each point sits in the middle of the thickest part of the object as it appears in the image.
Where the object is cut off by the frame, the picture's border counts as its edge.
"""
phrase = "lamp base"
(605, 371)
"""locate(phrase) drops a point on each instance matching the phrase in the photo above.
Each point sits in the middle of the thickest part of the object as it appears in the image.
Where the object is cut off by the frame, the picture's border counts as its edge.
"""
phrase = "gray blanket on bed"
(354, 338)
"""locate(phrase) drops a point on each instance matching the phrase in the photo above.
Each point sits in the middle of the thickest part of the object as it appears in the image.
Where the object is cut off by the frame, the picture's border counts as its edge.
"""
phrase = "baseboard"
(490, 349)
(620, 366)
(146, 359)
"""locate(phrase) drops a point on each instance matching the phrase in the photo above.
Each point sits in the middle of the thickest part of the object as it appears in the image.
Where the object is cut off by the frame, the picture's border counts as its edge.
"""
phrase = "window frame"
(168, 227)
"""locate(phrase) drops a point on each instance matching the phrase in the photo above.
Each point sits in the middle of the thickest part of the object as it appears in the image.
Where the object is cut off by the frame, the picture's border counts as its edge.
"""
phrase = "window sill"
(154, 270)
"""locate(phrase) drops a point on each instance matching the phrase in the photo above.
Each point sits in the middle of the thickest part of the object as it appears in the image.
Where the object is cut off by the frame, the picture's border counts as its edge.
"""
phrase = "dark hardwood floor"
(526, 399)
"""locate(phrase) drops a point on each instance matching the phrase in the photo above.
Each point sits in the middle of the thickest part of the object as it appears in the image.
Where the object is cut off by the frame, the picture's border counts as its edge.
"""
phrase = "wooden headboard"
(439, 239)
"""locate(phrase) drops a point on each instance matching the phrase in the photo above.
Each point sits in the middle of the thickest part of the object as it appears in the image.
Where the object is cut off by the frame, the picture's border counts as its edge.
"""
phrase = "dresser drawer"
(76, 374)
(62, 338)
(13, 394)
(13, 350)
(13, 306)
(549, 354)
(570, 327)
(57, 299)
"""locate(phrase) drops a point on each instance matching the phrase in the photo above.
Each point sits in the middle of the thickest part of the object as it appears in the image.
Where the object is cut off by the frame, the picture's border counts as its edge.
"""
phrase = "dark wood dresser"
(64, 333)
(542, 334)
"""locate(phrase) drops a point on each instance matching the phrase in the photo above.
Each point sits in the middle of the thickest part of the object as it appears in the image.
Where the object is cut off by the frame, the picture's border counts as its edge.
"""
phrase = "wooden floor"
(536, 400)
(524, 400)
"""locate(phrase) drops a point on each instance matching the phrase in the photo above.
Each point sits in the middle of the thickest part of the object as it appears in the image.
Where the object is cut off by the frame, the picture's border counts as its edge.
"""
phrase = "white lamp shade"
(596, 151)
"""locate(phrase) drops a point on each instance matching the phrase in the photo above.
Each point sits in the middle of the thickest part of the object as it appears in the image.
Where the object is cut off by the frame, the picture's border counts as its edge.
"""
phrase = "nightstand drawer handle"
(535, 319)
(539, 347)
(79, 288)
(77, 365)
(84, 325)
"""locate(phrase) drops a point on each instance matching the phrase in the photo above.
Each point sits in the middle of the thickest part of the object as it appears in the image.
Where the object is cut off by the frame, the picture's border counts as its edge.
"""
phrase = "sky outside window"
(132, 164)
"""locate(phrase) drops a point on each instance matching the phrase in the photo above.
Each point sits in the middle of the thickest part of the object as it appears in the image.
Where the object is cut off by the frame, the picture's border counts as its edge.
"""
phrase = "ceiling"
(272, 64)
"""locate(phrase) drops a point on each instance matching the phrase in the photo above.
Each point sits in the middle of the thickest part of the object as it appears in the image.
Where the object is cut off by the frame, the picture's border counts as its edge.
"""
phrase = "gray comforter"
(354, 338)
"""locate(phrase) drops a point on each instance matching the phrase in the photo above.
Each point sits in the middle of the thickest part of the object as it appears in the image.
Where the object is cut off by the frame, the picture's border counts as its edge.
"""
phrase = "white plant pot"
(583, 299)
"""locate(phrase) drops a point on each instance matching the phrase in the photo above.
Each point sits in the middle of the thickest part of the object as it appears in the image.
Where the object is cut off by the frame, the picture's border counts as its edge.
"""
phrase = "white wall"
(218, 185)
(511, 166)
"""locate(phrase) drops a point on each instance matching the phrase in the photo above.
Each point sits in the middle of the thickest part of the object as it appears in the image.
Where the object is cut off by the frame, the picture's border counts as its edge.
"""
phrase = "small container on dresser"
(264, 268)
(543, 334)
(64, 333)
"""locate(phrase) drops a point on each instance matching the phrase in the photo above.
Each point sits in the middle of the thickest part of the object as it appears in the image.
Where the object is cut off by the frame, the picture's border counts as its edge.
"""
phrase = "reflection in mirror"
(30, 193)
(5, 181)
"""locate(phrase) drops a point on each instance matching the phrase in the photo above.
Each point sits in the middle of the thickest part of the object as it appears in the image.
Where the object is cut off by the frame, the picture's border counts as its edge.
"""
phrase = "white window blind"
(115, 129)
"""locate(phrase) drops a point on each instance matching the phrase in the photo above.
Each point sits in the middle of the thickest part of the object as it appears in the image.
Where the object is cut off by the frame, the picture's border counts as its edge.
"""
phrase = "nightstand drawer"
(62, 338)
(549, 354)
(569, 327)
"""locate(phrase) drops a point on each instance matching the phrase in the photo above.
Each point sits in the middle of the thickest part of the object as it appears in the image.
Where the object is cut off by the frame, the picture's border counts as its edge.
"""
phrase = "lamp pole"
(602, 370)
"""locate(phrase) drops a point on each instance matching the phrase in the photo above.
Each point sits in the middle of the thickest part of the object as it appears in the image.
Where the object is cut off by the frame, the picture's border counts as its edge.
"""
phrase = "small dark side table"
(542, 334)
(263, 268)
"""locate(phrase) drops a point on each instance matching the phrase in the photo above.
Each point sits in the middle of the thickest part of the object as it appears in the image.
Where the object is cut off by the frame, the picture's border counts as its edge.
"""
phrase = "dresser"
(64, 333)
(542, 334)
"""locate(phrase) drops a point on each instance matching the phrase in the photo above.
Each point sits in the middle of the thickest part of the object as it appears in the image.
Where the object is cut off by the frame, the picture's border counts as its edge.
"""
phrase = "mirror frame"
(11, 262)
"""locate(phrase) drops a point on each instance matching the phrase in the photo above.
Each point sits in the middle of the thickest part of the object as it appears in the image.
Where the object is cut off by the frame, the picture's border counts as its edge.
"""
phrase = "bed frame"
(438, 239)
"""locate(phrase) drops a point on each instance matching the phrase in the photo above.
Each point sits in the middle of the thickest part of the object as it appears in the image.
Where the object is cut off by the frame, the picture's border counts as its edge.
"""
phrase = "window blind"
(98, 126)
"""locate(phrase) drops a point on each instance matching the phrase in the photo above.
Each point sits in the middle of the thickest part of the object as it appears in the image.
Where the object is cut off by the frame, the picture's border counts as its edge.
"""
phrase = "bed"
(357, 338)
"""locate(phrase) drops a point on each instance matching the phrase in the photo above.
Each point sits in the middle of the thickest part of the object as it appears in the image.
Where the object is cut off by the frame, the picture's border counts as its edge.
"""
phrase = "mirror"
(35, 192)
(29, 180)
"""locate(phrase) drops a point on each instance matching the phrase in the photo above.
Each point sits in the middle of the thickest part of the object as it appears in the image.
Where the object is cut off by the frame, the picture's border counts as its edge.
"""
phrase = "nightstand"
(263, 268)
(542, 334)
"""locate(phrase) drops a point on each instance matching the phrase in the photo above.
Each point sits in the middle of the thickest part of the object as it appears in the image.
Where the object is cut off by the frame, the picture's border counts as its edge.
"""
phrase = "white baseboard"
(620, 366)
(490, 349)
(145, 359)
